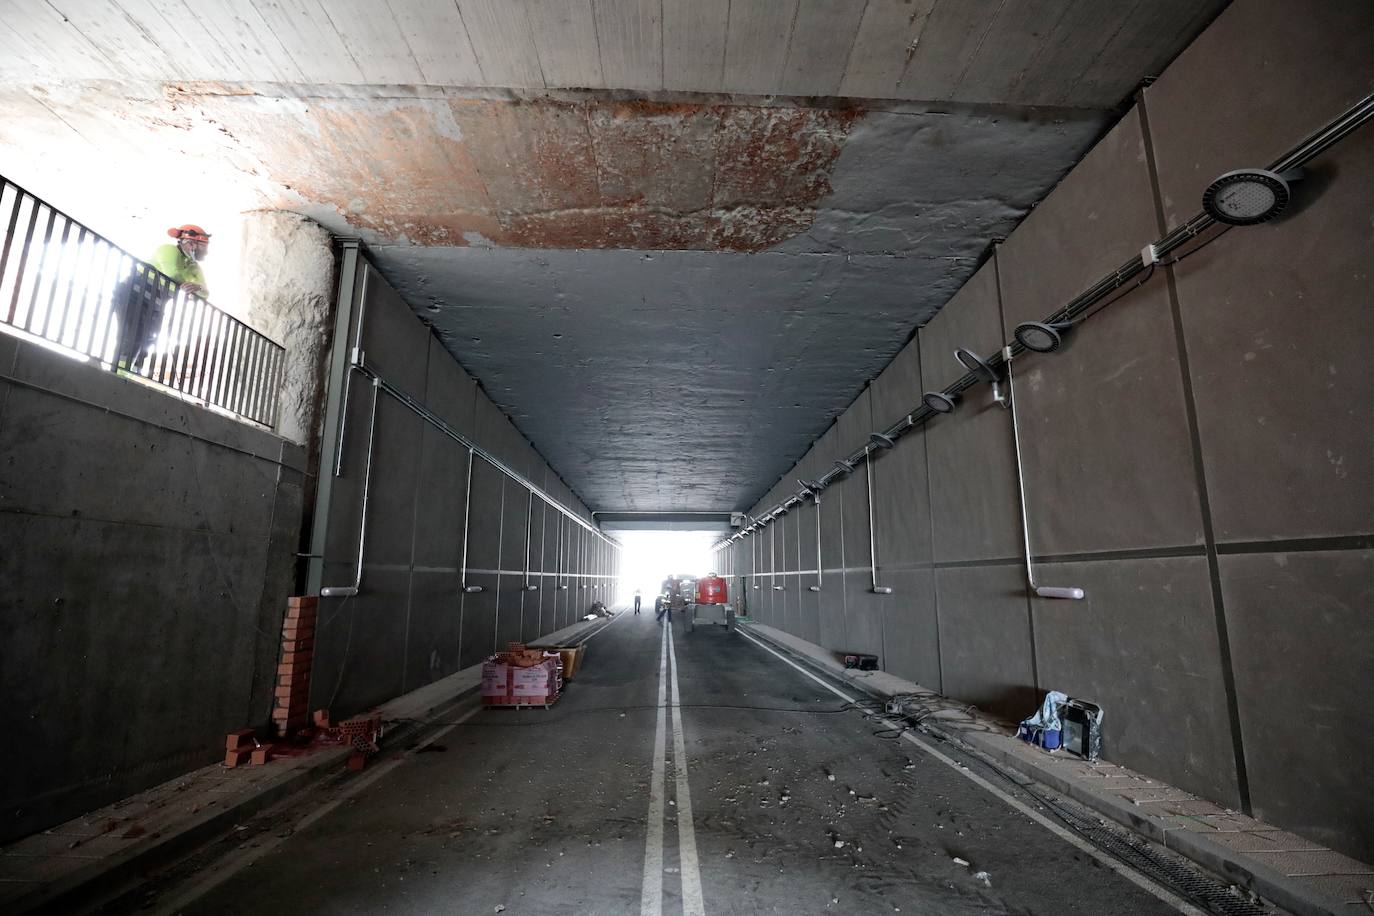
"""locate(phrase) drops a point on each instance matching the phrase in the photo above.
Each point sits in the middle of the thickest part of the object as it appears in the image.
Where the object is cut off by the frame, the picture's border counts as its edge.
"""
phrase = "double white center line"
(651, 897)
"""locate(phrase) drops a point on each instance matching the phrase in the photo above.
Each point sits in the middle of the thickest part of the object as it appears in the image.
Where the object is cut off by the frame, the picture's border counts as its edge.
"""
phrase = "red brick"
(296, 658)
(298, 631)
(287, 669)
(291, 726)
(303, 601)
(241, 738)
(305, 644)
(321, 718)
(298, 703)
(301, 613)
(236, 758)
(293, 691)
(356, 761)
(261, 754)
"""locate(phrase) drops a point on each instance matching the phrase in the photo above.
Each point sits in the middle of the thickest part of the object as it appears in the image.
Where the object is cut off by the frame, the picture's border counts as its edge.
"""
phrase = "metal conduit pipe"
(773, 558)
(529, 524)
(355, 356)
(467, 513)
(348, 591)
(820, 569)
(872, 541)
(1044, 591)
(1316, 143)
(438, 423)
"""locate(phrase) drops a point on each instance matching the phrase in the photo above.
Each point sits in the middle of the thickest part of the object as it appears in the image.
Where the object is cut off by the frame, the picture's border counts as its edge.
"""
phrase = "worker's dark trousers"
(636, 604)
(137, 306)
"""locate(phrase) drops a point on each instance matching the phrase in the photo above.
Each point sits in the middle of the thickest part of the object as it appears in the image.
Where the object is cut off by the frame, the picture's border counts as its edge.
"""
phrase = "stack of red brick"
(291, 709)
(242, 747)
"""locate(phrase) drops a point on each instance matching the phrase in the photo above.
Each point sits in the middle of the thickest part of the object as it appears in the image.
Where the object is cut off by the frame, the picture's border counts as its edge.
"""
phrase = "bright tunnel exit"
(651, 556)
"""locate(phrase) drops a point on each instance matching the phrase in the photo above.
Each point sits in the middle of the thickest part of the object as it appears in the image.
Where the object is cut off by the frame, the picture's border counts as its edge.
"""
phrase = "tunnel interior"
(982, 350)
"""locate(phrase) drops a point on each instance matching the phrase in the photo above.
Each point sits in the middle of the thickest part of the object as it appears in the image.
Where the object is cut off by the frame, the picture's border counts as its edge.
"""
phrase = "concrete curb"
(1216, 858)
(92, 883)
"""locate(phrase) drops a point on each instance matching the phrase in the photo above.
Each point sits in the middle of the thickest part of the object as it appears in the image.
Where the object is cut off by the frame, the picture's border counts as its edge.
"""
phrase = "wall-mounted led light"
(472, 589)
(1040, 336)
(938, 401)
(1245, 197)
(880, 440)
(975, 364)
(843, 467)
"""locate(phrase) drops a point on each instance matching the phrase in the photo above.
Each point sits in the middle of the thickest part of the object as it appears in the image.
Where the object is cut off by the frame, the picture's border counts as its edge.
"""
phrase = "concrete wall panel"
(435, 627)
(974, 508)
(1103, 419)
(438, 533)
(910, 630)
(1260, 307)
(1143, 645)
(144, 542)
(479, 620)
(1302, 636)
(985, 642)
(450, 392)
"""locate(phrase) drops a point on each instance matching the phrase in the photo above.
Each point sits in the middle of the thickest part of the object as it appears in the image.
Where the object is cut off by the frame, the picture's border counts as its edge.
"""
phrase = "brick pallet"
(522, 678)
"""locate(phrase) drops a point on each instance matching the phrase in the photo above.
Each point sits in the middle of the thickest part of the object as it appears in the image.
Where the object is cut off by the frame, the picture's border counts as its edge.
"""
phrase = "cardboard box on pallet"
(495, 678)
(510, 685)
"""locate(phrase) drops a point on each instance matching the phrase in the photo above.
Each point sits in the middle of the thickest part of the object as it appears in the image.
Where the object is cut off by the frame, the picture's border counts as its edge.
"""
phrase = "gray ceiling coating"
(692, 379)
(734, 212)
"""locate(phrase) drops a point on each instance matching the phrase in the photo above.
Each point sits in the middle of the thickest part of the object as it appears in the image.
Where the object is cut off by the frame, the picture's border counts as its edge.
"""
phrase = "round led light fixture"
(1246, 197)
(1040, 337)
(938, 402)
(975, 364)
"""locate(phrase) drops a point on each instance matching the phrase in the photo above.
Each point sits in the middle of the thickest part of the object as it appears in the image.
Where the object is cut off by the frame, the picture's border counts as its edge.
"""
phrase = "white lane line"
(1058, 830)
(651, 895)
(692, 901)
(225, 870)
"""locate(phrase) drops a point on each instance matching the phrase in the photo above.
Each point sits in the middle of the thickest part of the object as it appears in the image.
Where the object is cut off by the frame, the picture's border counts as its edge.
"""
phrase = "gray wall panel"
(1277, 322)
(910, 630)
(435, 627)
(1143, 644)
(985, 645)
(1303, 638)
(973, 502)
(1103, 420)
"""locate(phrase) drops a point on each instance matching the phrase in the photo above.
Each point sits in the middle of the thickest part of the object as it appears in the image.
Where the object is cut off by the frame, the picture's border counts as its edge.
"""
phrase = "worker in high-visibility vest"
(140, 300)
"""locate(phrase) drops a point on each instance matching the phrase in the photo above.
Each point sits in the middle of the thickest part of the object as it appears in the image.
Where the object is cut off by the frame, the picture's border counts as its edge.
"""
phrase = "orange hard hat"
(190, 229)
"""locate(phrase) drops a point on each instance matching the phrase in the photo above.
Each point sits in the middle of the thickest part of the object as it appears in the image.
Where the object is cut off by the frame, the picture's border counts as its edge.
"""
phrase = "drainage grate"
(1144, 857)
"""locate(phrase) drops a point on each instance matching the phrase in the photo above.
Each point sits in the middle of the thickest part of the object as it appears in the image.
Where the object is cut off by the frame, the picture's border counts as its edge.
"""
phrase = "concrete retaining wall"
(1199, 456)
(146, 553)
(412, 623)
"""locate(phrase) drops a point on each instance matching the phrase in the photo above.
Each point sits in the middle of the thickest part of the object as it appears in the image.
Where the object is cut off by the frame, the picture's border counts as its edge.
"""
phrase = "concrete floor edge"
(1223, 862)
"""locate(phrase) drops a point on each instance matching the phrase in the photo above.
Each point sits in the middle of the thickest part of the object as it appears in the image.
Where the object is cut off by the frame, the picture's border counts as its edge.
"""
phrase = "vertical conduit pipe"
(348, 591)
(820, 568)
(355, 357)
(1043, 591)
(467, 514)
(872, 543)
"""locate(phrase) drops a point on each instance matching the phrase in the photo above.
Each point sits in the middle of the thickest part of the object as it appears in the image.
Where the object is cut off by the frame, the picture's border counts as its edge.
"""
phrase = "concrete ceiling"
(672, 238)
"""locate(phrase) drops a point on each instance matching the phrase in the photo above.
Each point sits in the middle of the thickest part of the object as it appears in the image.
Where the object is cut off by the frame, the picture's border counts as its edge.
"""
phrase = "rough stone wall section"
(288, 285)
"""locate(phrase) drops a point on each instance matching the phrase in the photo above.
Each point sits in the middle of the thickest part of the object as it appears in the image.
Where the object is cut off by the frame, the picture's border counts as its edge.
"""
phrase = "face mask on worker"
(194, 248)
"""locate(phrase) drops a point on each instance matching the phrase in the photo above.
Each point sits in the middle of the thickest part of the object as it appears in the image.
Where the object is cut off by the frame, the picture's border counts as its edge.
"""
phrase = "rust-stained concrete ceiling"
(671, 240)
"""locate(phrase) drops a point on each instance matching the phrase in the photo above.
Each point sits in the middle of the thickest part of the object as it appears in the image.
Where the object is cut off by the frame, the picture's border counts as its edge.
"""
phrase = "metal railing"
(66, 286)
